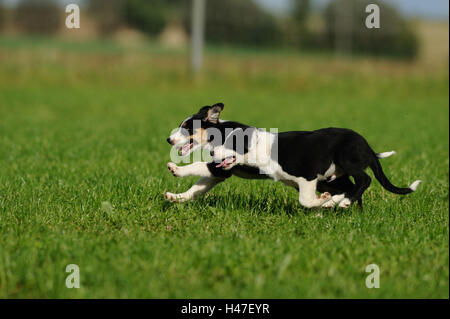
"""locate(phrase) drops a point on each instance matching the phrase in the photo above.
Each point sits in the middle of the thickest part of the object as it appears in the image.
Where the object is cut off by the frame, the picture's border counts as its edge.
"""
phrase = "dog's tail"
(384, 181)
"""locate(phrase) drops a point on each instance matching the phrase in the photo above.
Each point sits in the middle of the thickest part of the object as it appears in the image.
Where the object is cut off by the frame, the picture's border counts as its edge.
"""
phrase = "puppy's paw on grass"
(335, 199)
(173, 168)
(345, 203)
(171, 197)
(325, 196)
(329, 204)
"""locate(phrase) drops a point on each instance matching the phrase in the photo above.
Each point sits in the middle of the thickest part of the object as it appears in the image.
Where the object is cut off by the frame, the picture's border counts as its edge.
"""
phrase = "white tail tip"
(386, 154)
(414, 185)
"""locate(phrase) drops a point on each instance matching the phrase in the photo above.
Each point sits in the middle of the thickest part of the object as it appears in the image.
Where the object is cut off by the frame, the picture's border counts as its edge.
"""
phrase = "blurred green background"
(84, 114)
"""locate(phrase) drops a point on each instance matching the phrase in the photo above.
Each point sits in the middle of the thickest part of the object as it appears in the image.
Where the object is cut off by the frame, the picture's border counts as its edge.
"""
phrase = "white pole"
(197, 34)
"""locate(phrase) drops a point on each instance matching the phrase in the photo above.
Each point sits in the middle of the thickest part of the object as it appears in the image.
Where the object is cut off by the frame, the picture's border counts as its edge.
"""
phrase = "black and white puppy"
(311, 161)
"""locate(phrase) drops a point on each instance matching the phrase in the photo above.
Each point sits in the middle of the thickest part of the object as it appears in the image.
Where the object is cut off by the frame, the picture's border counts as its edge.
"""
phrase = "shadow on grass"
(260, 205)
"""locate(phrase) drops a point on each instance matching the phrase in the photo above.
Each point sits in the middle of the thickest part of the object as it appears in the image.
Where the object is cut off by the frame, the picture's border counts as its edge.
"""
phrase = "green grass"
(81, 130)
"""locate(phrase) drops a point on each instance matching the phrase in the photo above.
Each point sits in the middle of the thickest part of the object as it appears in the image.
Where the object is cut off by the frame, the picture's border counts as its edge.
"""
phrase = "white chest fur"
(264, 156)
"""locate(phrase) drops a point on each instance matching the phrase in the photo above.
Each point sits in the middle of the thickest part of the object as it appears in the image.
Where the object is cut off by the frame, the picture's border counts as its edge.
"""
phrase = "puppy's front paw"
(345, 203)
(325, 196)
(335, 199)
(173, 168)
(329, 204)
(171, 197)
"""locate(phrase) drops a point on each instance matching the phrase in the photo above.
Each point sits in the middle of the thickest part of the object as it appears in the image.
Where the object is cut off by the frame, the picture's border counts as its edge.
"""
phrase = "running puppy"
(311, 161)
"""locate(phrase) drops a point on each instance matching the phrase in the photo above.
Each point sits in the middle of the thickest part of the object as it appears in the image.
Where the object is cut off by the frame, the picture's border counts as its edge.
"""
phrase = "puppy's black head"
(206, 117)
(192, 132)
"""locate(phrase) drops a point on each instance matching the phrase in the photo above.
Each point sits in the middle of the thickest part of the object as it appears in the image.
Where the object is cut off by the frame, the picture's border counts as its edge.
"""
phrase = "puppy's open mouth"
(227, 161)
(185, 149)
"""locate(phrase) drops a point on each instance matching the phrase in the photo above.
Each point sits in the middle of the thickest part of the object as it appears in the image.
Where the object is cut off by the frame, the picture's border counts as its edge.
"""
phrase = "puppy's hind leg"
(341, 188)
(362, 182)
(201, 187)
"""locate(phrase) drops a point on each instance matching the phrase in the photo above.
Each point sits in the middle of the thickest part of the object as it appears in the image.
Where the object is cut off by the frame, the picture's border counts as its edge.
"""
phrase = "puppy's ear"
(204, 110)
(214, 112)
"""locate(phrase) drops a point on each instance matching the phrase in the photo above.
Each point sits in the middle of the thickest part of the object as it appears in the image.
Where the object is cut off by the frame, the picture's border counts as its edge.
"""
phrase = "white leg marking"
(329, 204)
(336, 199)
(201, 187)
(345, 203)
(308, 197)
(194, 169)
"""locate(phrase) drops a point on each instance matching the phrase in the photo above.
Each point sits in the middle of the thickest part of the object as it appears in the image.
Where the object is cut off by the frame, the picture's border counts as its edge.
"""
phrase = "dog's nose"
(211, 153)
(169, 141)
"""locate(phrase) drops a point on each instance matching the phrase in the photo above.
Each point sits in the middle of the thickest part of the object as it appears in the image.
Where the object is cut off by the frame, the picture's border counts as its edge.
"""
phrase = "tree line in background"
(341, 25)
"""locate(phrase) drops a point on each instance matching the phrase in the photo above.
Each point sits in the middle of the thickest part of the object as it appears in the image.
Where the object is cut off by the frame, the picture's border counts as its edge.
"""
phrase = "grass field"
(83, 171)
